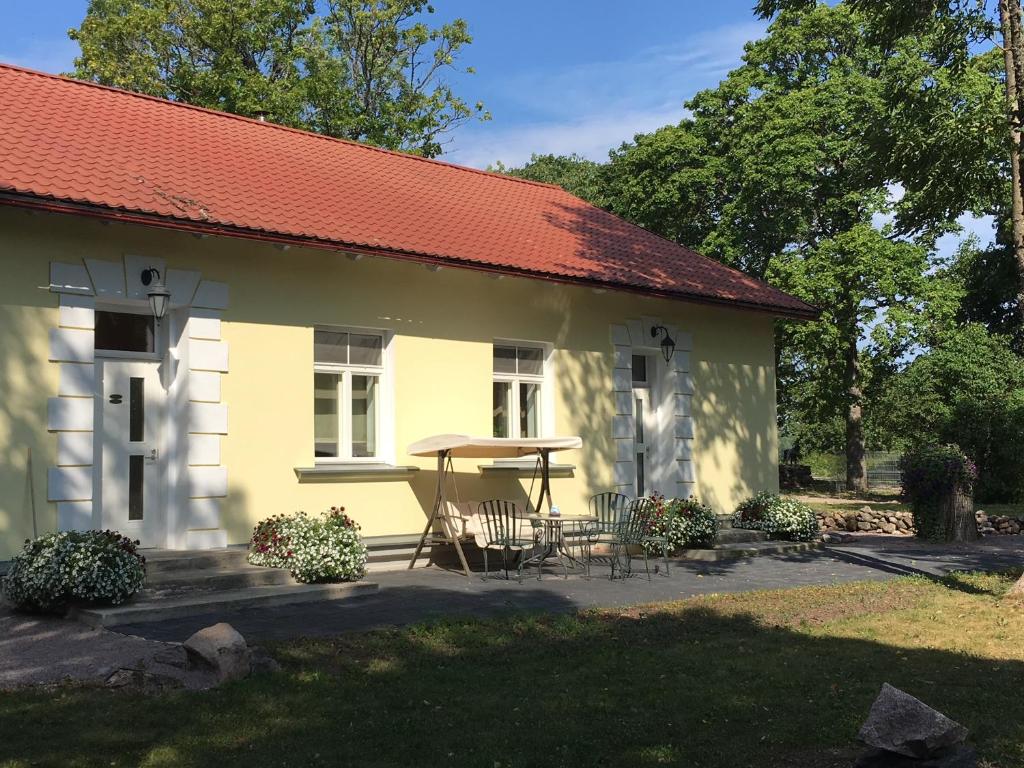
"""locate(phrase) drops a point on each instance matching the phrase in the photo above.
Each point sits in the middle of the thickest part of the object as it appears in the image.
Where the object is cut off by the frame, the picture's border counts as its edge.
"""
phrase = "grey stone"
(142, 680)
(173, 656)
(889, 527)
(220, 648)
(900, 723)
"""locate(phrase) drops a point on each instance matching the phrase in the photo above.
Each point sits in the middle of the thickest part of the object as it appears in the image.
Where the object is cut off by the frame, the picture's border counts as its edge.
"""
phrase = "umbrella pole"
(545, 480)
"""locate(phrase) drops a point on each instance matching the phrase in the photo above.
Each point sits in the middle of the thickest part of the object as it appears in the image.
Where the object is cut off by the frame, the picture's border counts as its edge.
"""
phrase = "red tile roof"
(77, 146)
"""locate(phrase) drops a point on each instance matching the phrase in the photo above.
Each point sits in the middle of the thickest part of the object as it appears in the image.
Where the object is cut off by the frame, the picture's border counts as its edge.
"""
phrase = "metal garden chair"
(635, 531)
(505, 530)
(610, 510)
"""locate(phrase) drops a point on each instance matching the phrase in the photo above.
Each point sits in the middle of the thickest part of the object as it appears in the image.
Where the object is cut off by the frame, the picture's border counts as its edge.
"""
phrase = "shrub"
(931, 475)
(779, 517)
(685, 522)
(313, 549)
(691, 524)
(58, 570)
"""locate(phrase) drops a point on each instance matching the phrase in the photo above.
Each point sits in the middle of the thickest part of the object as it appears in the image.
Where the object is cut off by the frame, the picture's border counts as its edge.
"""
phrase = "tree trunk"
(960, 523)
(856, 464)
(1013, 59)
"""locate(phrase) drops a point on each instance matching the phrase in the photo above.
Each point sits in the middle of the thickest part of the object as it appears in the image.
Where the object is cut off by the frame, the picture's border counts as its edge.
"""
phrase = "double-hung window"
(347, 370)
(518, 381)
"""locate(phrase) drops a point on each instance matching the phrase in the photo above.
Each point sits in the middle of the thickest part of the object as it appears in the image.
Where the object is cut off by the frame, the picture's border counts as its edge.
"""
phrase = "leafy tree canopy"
(366, 70)
(575, 174)
(968, 390)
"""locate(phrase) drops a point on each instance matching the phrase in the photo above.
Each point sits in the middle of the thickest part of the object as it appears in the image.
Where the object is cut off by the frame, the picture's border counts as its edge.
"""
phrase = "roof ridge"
(232, 116)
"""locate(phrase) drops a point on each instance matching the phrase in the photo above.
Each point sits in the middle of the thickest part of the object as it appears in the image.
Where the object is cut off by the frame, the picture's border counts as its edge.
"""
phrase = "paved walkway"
(411, 596)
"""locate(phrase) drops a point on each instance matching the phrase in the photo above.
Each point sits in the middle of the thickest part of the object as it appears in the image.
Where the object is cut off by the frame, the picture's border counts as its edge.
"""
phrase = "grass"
(780, 678)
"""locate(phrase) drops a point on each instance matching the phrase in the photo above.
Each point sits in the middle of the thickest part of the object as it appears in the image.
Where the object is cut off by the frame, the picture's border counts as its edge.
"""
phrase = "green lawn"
(760, 679)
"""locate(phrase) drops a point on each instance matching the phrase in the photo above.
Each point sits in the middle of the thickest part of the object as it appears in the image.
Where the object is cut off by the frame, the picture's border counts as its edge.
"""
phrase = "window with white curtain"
(518, 381)
(347, 370)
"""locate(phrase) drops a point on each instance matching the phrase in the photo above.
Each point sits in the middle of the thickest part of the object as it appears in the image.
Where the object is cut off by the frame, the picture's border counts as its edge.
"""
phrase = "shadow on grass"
(697, 685)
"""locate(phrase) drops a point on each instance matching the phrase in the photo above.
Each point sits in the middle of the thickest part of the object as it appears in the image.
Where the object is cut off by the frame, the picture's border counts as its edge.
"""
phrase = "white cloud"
(592, 137)
(594, 106)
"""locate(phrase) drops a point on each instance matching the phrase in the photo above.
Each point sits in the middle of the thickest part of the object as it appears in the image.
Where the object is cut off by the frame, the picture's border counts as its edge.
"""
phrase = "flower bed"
(779, 517)
(313, 549)
(59, 570)
(685, 522)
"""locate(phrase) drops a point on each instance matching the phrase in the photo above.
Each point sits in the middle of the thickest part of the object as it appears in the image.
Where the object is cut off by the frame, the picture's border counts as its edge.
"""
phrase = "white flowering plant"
(691, 524)
(779, 517)
(686, 523)
(58, 570)
(313, 549)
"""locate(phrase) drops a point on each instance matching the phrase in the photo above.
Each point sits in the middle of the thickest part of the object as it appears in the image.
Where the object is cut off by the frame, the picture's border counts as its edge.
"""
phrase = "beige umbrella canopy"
(469, 447)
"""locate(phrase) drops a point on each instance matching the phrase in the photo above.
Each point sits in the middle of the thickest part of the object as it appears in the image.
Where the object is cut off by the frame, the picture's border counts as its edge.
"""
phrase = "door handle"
(152, 455)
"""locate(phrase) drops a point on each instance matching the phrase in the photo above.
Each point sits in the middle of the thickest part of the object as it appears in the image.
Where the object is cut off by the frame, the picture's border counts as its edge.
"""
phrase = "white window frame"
(544, 399)
(345, 372)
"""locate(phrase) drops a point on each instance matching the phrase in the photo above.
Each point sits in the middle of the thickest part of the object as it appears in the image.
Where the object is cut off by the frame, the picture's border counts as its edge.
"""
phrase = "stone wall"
(992, 525)
(867, 520)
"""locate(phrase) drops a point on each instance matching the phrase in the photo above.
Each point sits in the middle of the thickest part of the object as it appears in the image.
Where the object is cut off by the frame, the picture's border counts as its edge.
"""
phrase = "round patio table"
(555, 545)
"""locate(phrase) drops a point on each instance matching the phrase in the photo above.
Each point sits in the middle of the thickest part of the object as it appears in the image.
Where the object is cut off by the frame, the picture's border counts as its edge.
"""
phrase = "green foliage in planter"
(931, 473)
(313, 549)
(58, 570)
(686, 522)
(779, 517)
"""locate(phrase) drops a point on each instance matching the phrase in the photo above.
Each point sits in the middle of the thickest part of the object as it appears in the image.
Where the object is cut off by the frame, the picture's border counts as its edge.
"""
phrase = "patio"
(406, 597)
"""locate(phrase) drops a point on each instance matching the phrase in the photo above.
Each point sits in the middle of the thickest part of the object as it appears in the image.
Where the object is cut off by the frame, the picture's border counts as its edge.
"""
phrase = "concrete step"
(748, 549)
(740, 536)
(216, 578)
(162, 561)
(145, 609)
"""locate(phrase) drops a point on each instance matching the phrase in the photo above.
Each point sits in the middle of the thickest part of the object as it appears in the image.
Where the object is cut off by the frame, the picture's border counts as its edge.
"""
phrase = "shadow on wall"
(25, 385)
(734, 405)
(738, 439)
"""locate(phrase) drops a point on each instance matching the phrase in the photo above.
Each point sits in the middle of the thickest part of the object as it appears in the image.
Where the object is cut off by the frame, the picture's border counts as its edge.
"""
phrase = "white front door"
(645, 417)
(133, 468)
(646, 431)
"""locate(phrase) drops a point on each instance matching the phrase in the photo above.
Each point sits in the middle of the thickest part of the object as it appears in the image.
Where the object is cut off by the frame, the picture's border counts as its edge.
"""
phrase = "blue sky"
(558, 76)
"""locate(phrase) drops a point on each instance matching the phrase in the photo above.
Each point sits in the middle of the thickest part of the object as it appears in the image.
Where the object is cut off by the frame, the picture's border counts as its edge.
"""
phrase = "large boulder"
(222, 649)
(907, 726)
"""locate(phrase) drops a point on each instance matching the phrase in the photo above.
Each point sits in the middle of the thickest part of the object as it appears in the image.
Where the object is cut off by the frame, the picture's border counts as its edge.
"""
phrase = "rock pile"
(902, 732)
(998, 524)
(867, 520)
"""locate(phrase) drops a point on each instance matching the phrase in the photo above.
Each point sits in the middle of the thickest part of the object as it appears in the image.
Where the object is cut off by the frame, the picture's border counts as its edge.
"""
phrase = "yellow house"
(206, 320)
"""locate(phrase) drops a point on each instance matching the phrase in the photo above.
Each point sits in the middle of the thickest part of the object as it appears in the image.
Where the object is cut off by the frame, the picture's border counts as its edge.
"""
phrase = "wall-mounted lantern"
(159, 296)
(668, 344)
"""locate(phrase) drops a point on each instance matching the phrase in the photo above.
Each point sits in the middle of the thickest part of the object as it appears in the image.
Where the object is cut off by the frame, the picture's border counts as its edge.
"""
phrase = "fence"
(883, 468)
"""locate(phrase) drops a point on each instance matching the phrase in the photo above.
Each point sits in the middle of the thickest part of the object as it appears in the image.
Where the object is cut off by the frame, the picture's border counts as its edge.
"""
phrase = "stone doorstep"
(216, 578)
(160, 608)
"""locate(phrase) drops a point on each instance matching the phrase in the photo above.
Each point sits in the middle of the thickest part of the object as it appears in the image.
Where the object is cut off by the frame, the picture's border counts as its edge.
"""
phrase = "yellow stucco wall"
(444, 323)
